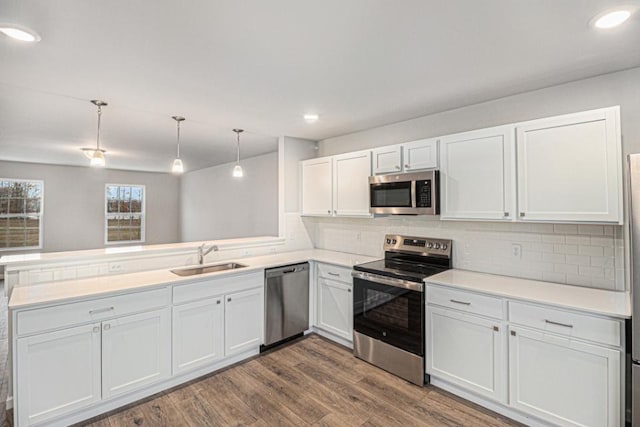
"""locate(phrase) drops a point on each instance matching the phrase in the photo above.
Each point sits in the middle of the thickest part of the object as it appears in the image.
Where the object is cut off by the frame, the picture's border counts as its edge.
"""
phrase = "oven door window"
(389, 314)
(391, 195)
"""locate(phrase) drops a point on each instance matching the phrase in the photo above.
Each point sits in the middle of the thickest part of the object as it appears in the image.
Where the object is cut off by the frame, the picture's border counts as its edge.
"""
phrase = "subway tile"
(565, 228)
(551, 238)
(566, 268)
(565, 249)
(608, 230)
(600, 261)
(578, 259)
(591, 229)
(591, 271)
(578, 240)
(574, 279)
(591, 250)
(554, 277)
(603, 241)
(556, 258)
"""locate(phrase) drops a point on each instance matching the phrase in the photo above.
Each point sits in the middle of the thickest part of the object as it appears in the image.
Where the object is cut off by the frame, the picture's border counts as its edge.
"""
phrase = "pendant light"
(96, 155)
(177, 167)
(237, 170)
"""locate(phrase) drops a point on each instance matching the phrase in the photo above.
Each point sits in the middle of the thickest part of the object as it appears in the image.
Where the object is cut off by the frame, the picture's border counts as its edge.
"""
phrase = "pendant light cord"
(178, 145)
(238, 148)
(98, 137)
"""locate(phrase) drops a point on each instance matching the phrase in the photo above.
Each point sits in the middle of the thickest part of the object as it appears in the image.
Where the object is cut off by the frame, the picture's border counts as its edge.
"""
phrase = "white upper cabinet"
(351, 184)
(422, 154)
(569, 168)
(387, 159)
(337, 185)
(317, 185)
(477, 174)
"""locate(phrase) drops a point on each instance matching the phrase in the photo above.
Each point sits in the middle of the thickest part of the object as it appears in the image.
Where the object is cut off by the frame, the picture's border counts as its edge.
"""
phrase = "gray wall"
(74, 203)
(294, 150)
(621, 88)
(214, 205)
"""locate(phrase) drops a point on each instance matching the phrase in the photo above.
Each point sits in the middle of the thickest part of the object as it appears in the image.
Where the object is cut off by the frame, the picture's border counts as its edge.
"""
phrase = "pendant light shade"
(177, 166)
(96, 155)
(237, 169)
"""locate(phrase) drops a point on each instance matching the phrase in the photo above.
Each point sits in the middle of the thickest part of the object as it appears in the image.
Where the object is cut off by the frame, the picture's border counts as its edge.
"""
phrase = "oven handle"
(397, 283)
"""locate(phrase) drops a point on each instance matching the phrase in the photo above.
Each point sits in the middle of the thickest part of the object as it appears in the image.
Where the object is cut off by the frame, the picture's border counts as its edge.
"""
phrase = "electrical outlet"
(116, 267)
(516, 250)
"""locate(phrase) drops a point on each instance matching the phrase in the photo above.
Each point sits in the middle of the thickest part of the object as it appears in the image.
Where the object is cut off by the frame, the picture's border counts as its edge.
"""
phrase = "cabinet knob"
(107, 326)
(513, 333)
(349, 290)
(335, 212)
(506, 214)
(398, 167)
(406, 166)
(228, 299)
(218, 302)
(521, 214)
(96, 329)
(497, 329)
(329, 212)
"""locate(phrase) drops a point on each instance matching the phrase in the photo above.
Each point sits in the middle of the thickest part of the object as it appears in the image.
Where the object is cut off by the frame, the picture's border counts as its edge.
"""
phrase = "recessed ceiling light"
(18, 32)
(611, 19)
(311, 118)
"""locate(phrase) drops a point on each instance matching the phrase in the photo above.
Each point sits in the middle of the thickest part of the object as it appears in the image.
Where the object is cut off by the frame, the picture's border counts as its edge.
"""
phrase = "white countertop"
(118, 251)
(65, 291)
(597, 301)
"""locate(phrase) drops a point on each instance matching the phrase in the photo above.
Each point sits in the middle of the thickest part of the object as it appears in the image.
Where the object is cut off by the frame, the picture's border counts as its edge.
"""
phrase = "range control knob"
(394, 241)
(444, 246)
(429, 245)
(436, 246)
(388, 241)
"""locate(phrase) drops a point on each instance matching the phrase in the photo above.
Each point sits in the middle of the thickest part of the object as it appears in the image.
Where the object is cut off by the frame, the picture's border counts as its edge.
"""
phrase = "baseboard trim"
(103, 407)
(489, 404)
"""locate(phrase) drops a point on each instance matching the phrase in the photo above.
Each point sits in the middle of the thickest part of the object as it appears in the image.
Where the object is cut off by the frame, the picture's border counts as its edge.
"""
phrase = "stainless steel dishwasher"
(286, 298)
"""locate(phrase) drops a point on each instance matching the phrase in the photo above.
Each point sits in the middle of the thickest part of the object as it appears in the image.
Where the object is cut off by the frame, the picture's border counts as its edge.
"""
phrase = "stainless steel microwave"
(405, 194)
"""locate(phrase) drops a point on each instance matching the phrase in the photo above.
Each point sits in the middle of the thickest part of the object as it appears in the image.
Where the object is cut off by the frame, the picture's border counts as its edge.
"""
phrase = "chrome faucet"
(202, 252)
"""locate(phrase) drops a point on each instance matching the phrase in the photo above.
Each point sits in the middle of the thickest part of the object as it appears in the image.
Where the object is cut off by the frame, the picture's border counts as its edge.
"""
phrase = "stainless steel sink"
(194, 271)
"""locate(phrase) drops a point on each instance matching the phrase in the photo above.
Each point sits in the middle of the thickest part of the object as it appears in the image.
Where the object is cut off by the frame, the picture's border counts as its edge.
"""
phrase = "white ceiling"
(261, 64)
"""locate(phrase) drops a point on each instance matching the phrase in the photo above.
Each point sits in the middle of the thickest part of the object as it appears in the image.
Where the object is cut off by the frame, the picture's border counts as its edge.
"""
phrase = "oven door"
(390, 310)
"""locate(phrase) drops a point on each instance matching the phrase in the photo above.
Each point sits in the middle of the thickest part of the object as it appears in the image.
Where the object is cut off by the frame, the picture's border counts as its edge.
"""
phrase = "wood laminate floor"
(311, 381)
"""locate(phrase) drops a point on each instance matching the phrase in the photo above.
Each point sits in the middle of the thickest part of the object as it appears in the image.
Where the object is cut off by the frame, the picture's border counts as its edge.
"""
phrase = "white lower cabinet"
(58, 372)
(198, 334)
(244, 320)
(468, 351)
(563, 381)
(335, 307)
(136, 351)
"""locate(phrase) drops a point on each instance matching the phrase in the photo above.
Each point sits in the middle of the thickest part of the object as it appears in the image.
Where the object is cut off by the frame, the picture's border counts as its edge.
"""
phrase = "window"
(124, 213)
(20, 214)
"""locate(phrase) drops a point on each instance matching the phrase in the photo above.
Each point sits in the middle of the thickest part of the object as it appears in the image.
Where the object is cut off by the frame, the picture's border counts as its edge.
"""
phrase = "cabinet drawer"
(60, 316)
(465, 301)
(217, 286)
(606, 331)
(333, 272)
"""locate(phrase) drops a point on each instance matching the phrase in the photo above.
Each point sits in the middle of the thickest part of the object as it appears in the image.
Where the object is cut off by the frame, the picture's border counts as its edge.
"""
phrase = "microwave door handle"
(413, 193)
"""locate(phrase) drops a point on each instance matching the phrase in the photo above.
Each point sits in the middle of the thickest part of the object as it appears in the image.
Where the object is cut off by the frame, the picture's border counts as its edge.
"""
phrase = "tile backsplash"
(583, 255)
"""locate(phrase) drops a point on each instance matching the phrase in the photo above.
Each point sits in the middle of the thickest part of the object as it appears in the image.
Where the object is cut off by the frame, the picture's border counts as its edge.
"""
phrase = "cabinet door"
(351, 184)
(244, 321)
(569, 168)
(563, 381)
(136, 351)
(422, 154)
(387, 159)
(198, 334)
(58, 372)
(477, 175)
(468, 351)
(317, 186)
(335, 307)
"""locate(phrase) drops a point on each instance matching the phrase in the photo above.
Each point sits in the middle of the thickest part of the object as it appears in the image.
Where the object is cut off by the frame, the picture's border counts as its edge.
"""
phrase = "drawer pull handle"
(333, 274)
(101, 310)
(459, 302)
(551, 322)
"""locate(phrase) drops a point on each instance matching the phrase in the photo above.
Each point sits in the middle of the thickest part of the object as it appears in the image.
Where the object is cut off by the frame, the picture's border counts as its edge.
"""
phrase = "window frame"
(143, 215)
(40, 219)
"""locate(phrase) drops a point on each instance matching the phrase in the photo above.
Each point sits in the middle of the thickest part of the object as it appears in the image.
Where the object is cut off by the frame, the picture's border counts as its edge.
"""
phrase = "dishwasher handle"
(286, 269)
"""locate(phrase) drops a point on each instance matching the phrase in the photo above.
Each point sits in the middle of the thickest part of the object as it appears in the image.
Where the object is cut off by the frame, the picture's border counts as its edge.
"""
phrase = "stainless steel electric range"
(389, 304)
